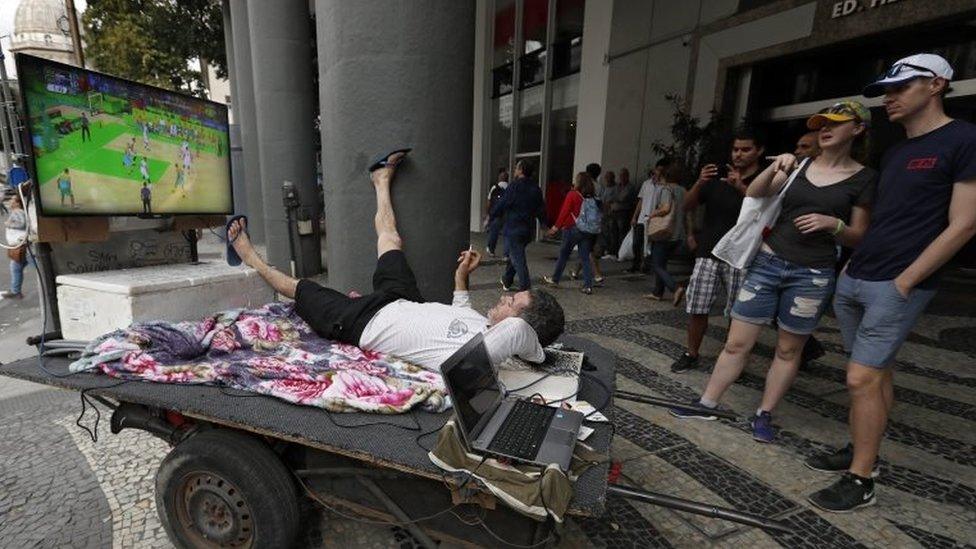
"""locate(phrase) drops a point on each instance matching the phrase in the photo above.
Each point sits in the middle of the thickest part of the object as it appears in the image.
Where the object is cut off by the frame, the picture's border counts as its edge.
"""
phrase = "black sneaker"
(683, 413)
(684, 363)
(850, 492)
(838, 462)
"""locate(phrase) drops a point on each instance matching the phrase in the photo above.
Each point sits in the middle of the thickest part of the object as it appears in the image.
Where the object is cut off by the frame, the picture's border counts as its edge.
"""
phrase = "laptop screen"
(474, 388)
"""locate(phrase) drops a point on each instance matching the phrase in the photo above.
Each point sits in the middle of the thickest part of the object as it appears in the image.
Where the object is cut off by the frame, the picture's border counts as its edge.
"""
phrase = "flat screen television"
(106, 146)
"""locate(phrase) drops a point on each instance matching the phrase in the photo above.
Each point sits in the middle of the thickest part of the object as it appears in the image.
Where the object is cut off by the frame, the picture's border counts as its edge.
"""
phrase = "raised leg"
(387, 237)
(282, 283)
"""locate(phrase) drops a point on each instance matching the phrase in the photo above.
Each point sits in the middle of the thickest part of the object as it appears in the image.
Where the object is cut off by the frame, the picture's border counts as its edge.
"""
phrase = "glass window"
(501, 135)
(535, 18)
(533, 69)
(567, 44)
(566, 57)
(530, 120)
(562, 142)
(501, 80)
(503, 46)
(845, 69)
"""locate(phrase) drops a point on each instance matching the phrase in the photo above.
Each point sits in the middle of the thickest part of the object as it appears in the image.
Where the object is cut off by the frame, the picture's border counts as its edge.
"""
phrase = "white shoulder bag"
(739, 246)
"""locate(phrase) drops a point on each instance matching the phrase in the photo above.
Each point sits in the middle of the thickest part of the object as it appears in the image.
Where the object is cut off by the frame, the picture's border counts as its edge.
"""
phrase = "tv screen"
(107, 146)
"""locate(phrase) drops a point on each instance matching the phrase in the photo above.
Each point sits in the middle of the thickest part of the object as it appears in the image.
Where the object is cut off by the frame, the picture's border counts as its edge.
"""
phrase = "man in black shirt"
(925, 211)
(722, 198)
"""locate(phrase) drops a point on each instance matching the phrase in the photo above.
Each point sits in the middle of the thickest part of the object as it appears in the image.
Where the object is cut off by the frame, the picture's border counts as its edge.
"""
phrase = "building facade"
(568, 82)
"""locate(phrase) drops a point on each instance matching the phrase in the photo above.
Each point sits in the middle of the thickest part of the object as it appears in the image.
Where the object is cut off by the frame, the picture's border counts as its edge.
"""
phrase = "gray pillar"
(396, 74)
(243, 104)
(236, 149)
(281, 58)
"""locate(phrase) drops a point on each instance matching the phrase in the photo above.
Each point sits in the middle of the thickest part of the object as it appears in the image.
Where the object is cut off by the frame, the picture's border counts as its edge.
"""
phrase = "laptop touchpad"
(561, 437)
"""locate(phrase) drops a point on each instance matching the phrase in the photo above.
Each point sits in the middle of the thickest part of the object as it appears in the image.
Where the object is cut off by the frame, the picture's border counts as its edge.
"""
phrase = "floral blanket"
(270, 351)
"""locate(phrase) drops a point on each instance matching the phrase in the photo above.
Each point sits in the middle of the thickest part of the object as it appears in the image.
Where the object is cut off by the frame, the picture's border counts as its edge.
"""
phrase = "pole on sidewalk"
(654, 401)
(697, 508)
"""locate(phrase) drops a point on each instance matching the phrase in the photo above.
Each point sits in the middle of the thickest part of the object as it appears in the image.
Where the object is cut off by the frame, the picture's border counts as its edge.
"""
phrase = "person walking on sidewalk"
(924, 213)
(522, 205)
(669, 200)
(579, 221)
(722, 198)
(791, 279)
(600, 191)
(641, 212)
(621, 207)
(495, 224)
(16, 231)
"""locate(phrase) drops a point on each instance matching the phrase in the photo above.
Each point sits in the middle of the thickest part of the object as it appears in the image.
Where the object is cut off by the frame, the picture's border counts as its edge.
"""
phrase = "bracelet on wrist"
(840, 227)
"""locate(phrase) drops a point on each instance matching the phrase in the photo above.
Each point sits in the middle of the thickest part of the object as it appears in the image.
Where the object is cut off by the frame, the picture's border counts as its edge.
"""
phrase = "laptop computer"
(506, 427)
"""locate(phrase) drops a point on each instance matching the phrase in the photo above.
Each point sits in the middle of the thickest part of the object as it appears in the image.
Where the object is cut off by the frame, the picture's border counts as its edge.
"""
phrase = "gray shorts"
(875, 319)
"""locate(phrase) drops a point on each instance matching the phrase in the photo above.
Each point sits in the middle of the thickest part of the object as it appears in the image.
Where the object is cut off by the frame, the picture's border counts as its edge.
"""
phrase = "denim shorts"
(874, 318)
(794, 295)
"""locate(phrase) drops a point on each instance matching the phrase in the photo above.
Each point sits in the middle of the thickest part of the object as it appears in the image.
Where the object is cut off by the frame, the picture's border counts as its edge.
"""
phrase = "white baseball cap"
(920, 65)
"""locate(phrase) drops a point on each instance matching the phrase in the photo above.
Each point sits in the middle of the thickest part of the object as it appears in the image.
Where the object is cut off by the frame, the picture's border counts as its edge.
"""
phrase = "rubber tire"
(248, 463)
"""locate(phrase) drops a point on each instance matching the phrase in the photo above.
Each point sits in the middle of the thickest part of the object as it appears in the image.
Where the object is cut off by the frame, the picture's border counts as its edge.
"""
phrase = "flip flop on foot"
(386, 160)
(233, 259)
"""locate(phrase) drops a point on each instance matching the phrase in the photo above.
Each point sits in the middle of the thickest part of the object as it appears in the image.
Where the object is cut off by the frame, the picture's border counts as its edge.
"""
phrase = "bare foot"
(385, 174)
(237, 234)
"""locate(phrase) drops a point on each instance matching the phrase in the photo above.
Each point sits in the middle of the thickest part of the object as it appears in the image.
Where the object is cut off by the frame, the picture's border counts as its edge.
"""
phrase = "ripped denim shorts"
(794, 295)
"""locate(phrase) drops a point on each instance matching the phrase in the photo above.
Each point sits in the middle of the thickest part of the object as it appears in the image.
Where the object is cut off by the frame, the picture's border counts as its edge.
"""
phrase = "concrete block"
(93, 304)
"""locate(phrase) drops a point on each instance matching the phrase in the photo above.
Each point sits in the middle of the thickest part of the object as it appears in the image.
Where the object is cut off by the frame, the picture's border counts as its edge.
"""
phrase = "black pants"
(146, 206)
(338, 317)
(638, 247)
(85, 132)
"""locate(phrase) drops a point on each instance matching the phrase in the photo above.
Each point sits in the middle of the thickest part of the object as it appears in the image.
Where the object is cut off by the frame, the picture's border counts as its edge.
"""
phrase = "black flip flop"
(232, 258)
(381, 161)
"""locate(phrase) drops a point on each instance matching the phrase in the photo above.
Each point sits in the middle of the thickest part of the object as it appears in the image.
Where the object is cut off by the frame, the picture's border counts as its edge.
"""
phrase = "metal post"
(398, 512)
(8, 113)
(697, 508)
(4, 122)
(644, 399)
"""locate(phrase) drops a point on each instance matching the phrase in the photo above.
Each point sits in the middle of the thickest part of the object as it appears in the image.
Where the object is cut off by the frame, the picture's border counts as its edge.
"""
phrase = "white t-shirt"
(427, 334)
(646, 196)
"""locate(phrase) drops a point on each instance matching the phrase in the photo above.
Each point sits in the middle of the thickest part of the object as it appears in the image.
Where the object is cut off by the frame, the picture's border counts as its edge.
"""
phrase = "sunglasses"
(898, 68)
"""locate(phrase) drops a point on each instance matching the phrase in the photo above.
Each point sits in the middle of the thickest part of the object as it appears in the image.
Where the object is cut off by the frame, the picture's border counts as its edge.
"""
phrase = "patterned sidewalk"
(57, 488)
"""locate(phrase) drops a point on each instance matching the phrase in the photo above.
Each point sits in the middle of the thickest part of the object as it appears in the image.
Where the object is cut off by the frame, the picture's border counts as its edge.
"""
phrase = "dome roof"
(41, 24)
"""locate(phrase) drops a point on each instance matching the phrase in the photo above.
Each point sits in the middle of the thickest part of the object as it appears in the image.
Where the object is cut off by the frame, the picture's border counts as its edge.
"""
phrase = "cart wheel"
(223, 488)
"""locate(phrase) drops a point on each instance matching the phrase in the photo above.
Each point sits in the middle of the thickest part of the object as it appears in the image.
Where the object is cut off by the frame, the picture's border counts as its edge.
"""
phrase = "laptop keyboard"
(523, 430)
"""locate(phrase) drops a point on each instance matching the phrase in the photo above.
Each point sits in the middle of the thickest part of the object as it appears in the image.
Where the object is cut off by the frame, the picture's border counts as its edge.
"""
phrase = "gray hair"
(545, 315)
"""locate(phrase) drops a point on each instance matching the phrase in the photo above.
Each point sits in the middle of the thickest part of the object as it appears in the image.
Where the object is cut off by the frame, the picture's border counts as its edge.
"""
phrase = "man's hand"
(551, 232)
(708, 171)
(902, 287)
(692, 243)
(468, 261)
(809, 223)
(735, 179)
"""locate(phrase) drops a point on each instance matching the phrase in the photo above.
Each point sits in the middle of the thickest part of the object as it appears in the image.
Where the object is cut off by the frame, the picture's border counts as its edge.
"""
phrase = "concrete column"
(236, 150)
(281, 60)
(594, 80)
(481, 178)
(242, 86)
(397, 74)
